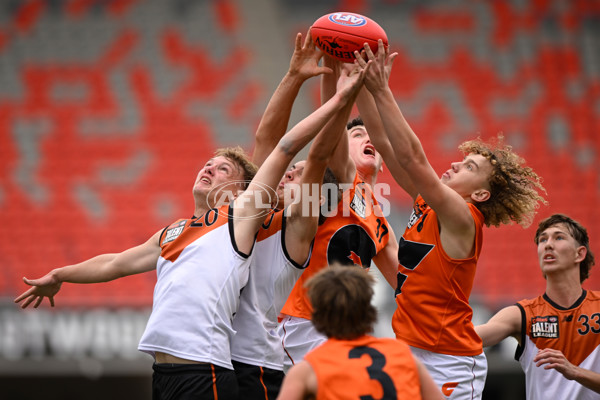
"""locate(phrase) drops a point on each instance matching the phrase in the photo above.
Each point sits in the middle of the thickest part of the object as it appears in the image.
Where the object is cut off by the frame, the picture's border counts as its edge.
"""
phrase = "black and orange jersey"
(433, 290)
(367, 367)
(354, 235)
(575, 331)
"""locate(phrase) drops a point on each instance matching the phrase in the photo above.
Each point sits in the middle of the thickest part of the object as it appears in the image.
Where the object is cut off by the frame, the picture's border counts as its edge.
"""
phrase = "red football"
(340, 33)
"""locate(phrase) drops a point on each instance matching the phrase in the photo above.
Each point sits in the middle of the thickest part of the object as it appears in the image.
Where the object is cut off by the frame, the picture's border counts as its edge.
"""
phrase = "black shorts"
(257, 383)
(193, 381)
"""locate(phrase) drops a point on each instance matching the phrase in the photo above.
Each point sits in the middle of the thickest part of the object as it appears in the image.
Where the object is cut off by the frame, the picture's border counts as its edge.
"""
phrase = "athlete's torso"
(353, 236)
(433, 291)
(272, 276)
(200, 274)
(366, 367)
(575, 331)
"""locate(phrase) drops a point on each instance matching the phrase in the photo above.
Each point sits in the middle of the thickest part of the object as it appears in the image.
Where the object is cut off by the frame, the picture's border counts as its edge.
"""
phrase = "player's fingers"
(308, 39)
(21, 296)
(27, 302)
(298, 44)
(51, 301)
(38, 302)
(368, 51)
(359, 59)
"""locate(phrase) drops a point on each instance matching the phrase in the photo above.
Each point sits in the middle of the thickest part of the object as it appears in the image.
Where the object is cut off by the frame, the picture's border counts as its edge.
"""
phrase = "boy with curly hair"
(441, 245)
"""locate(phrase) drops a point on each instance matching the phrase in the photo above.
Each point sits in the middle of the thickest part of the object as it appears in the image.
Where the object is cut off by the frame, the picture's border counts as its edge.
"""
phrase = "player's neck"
(369, 177)
(563, 292)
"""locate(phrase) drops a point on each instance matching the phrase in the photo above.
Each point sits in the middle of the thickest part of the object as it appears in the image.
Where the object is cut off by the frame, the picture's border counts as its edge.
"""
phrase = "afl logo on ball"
(347, 19)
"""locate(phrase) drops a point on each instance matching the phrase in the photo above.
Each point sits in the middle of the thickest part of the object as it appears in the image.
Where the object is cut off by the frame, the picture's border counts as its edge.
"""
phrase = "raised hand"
(46, 286)
(378, 75)
(351, 78)
(305, 60)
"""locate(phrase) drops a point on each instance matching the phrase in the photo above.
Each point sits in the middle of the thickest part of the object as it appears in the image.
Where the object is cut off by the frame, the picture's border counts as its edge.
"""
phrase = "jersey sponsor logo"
(359, 205)
(448, 388)
(347, 19)
(173, 233)
(544, 326)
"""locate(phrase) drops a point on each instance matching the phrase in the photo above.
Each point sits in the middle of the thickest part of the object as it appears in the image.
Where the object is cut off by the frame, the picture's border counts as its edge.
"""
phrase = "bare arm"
(102, 268)
(387, 260)
(456, 221)
(341, 164)
(300, 383)
(374, 125)
(270, 173)
(302, 226)
(505, 323)
(429, 390)
(555, 359)
(273, 124)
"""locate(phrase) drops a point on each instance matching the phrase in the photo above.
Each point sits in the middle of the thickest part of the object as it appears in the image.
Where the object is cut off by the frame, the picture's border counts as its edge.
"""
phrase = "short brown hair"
(239, 157)
(514, 187)
(580, 235)
(341, 299)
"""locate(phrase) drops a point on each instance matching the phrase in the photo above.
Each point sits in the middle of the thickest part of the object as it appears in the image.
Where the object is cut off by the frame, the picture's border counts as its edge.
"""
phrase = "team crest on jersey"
(173, 233)
(417, 213)
(544, 327)
(359, 204)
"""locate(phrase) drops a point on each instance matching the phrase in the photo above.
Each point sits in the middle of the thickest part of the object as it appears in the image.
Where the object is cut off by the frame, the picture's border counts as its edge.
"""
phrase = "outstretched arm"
(301, 226)
(270, 173)
(505, 323)
(555, 359)
(341, 164)
(273, 124)
(102, 268)
(456, 221)
(374, 125)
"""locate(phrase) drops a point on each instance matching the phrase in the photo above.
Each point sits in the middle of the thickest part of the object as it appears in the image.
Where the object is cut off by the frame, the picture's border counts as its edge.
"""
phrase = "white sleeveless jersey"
(575, 331)
(200, 274)
(272, 276)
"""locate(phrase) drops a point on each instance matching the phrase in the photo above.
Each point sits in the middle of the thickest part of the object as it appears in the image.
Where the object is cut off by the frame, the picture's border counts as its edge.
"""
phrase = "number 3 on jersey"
(375, 371)
(410, 255)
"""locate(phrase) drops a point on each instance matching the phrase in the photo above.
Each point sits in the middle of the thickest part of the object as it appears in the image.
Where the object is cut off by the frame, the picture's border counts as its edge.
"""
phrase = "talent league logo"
(544, 326)
(347, 19)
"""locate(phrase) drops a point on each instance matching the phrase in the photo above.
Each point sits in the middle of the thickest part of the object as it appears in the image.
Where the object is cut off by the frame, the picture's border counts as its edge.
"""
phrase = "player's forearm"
(405, 143)
(275, 119)
(95, 270)
(306, 130)
(587, 378)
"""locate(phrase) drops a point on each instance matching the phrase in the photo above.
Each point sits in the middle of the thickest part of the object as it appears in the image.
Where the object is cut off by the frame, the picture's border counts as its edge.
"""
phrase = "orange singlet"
(353, 236)
(367, 367)
(433, 291)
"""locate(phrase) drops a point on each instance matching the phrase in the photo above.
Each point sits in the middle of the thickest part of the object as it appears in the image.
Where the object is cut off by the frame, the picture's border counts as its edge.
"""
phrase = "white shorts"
(459, 377)
(298, 337)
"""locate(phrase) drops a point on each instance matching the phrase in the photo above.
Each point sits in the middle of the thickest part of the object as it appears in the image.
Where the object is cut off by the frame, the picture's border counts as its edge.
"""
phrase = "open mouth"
(369, 151)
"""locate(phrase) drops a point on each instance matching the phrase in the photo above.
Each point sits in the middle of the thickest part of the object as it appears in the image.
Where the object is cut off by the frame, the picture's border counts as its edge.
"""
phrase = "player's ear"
(581, 253)
(480, 195)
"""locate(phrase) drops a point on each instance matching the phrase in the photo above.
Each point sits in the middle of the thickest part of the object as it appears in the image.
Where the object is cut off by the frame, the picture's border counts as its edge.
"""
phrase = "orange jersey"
(367, 367)
(575, 331)
(433, 291)
(353, 236)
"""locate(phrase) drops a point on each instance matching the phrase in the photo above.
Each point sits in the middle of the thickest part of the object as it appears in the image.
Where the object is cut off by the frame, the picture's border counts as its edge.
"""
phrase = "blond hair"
(514, 188)
(238, 156)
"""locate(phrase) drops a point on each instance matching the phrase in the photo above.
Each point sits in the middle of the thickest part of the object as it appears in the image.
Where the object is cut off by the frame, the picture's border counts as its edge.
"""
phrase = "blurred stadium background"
(109, 108)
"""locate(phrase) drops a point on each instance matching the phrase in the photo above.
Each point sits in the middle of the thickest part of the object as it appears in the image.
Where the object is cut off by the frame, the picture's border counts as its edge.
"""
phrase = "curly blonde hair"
(514, 188)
